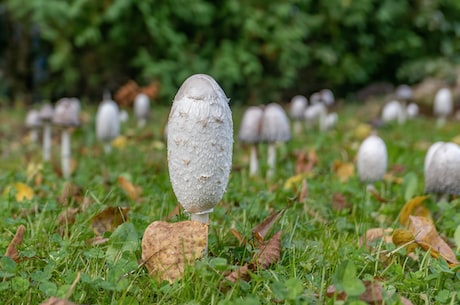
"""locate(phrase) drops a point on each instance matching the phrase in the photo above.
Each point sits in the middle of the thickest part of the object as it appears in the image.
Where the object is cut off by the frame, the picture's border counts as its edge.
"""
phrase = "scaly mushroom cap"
(141, 106)
(372, 159)
(297, 107)
(46, 112)
(200, 140)
(275, 124)
(66, 112)
(442, 169)
(250, 125)
(327, 97)
(443, 105)
(403, 92)
(33, 119)
(107, 121)
(393, 111)
(315, 98)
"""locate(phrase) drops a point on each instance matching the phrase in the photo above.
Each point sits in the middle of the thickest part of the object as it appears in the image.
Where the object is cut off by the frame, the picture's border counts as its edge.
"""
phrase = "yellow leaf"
(23, 191)
(456, 140)
(168, 247)
(428, 238)
(343, 170)
(294, 181)
(414, 207)
(401, 237)
(362, 131)
(393, 179)
(131, 190)
(120, 142)
(33, 169)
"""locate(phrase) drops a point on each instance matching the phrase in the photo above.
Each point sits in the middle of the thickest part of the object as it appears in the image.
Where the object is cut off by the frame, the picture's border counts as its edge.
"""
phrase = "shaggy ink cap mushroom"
(200, 141)
(403, 92)
(107, 122)
(297, 107)
(275, 124)
(141, 108)
(46, 112)
(442, 169)
(250, 125)
(66, 112)
(372, 159)
(33, 119)
(327, 97)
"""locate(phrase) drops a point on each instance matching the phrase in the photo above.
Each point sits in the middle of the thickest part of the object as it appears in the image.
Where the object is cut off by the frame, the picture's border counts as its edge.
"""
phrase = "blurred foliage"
(258, 50)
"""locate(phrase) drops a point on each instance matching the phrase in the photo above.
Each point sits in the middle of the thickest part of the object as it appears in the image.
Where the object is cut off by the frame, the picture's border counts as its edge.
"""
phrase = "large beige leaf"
(168, 247)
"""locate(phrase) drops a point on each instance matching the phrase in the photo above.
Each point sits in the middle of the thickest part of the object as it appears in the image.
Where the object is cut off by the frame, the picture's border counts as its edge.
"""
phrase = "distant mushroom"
(403, 93)
(107, 123)
(315, 115)
(394, 111)
(297, 109)
(443, 105)
(250, 133)
(200, 141)
(33, 123)
(274, 129)
(327, 97)
(442, 169)
(141, 109)
(46, 115)
(329, 121)
(412, 111)
(66, 116)
(372, 159)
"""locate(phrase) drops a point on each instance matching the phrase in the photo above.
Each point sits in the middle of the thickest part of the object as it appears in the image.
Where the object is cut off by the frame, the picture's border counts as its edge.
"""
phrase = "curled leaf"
(130, 189)
(402, 237)
(261, 230)
(12, 250)
(413, 207)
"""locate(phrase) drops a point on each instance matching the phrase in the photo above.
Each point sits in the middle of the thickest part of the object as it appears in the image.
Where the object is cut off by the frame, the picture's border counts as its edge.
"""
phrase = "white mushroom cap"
(443, 104)
(107, 121)
(372, 159)
(66, 112)
(250, 125)
(200, 140)
(315, 98)
(315, 113)
(46, 112)
(141, 106)
(33, 119)
(393, 111)
(442, 169)
(327, 97)
(330, 121)
(275, 124)
(297, 107)
(412, 110)
(403, 92)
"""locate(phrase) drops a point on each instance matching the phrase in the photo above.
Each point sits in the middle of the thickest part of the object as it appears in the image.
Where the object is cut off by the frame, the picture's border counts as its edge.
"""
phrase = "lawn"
(325, 214)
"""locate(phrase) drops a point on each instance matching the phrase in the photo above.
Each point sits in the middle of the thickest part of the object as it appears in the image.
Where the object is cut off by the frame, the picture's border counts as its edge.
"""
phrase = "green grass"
(318, 241)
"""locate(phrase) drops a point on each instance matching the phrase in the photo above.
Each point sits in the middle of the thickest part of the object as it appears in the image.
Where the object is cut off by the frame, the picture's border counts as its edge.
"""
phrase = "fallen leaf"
(12, 250)
(240, 273)
(109, 219)
(130, 189)
(174, 212)
(362, 131)
(413, 207)
(294, 181)
(261, 230)
(426, 236)
(238, 235)
(388, 177)
(377, 196)
(168, 247)
(120, 142)
(305, 162)
(70, 191)
(402, 237)
(303, 191)
(339, 202)
(270, 252)
(376, 234)
(57, 301)
(66, 218)
(23, 191)
(33, 169)
(343, 170)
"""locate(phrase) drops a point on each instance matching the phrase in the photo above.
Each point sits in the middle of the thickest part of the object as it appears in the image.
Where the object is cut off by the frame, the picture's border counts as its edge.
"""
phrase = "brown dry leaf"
(374, 234)
(343, 170)
(109, 219)
(303, 191)
(238, 235)
(12, 252)
(270, 252)
(131, 190)
(414, 207)
(426, 236)
(66, 218)
(402, 237)
(174, 212)
(339, 202)
(168, 247)
(261, 230)
(23, 191)
(339, 295)
(241, 273)
(69, 191)
(305, 162)
(57, 301)
(388, 177)
(377, 196)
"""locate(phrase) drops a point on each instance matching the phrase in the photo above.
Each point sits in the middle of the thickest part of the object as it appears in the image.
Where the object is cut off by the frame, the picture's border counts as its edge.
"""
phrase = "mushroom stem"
(33, 135)
(271, 159)
(65, 152)
(107, 148)
(141, 122)
(441, 122)
(297, 126)
(46, 141)
(200, 217)
(253, 161)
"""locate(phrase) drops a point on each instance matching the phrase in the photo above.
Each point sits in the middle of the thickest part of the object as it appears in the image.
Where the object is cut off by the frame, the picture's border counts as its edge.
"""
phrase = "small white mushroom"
(46, 115)
(200, 140)
(394, 111)
(66, 116)
(412, 111)
(327, 97)
(329, 121)
(249, 132)
(297, 109)
(315, 98)
(33, 123)
(315, 115)
(443, 105)
(274, 129)
(442, 169)
(141, 109)
(403, 92)
(107, 123)
(372, 159)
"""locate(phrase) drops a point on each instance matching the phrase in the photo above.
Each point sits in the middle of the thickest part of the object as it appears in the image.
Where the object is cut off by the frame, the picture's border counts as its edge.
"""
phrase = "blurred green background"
(260, 51)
